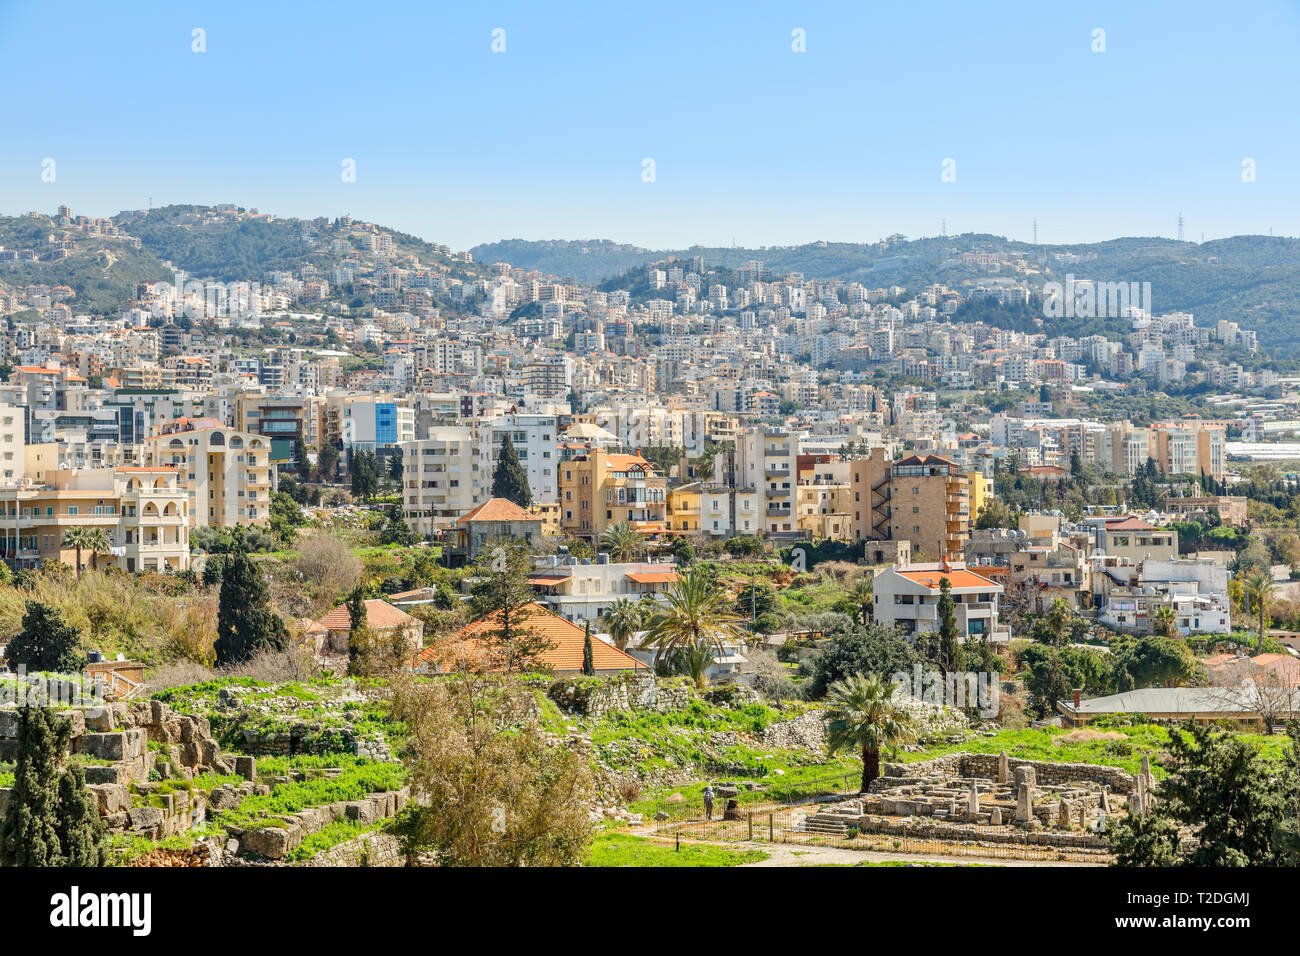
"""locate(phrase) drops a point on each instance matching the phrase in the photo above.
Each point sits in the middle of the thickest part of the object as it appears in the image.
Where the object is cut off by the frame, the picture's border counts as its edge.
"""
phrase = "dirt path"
(795, 854)
(792, 854)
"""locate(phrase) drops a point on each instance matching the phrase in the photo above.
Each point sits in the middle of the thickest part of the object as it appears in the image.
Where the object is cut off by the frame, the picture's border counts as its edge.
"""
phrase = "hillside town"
(269, 534)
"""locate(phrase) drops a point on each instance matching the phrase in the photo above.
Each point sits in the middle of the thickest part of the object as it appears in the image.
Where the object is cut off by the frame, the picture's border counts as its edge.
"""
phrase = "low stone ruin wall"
(308, 738)
(276, 842)
(369, 849)
(596, 696)
(946, 831)
(1047, 773)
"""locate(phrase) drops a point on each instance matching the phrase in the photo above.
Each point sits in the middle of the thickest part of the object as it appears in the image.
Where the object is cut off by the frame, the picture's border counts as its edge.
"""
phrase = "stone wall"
(948, 831)
(369, 849)
(314, 738)
(276, 842)
(1047, 773)
(595, 696)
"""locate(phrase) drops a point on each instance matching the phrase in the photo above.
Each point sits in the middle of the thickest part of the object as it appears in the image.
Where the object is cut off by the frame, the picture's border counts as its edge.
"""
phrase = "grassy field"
(621, 849)
(784, 776)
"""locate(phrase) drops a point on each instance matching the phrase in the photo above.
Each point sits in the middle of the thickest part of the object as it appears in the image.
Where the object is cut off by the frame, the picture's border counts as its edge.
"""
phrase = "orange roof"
(379, 614)
(547, 578)
(652, 577)
(959, 578)
(498, 509)
(566, 637)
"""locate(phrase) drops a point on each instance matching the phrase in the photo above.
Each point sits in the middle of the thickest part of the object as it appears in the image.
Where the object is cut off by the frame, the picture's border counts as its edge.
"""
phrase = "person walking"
(708, 803)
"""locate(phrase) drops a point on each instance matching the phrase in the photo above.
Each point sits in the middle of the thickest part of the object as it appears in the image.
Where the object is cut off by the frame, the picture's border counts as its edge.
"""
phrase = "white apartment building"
(908, 598)
(440, 479)
(536, 441)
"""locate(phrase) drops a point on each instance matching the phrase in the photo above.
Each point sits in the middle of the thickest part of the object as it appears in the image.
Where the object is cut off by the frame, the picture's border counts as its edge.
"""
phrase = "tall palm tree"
(99, 544)
(1259, 589)
(862, 594)
(864, 714)
(1165, 621)
(78, 539)
(693, 612)
(622, 619)
(621, 540)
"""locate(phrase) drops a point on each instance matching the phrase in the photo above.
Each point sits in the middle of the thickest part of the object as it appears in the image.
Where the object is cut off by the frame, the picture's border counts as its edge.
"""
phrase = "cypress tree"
(80, 830)
(53, 820)
(246, 623)
(952, 655)
(588, 657)
(509, 479)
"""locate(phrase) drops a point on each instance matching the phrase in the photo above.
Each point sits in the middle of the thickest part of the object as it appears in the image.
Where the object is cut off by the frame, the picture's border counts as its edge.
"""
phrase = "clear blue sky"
(751, 141)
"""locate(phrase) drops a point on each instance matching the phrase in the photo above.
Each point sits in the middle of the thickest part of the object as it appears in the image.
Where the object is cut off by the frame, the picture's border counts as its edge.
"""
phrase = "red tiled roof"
(565, 655)
(498, 509)
(379, 614)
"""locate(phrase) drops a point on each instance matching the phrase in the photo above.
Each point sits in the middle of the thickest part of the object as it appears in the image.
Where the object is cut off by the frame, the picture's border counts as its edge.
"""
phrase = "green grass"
(327, 837)
(1051, 744)
(620, 849)
(353, 784)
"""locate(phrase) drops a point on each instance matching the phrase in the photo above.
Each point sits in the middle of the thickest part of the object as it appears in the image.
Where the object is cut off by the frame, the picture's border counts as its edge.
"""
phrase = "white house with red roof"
(907, 596)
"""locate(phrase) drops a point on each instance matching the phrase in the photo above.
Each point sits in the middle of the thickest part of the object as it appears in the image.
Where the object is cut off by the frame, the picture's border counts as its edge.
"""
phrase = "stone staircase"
(828, 823)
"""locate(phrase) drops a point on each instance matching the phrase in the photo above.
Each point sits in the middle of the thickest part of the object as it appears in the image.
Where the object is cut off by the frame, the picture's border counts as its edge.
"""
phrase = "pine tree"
(509, 479)
(588, 656)
(46, 642)
(53, 820)
(246, 623)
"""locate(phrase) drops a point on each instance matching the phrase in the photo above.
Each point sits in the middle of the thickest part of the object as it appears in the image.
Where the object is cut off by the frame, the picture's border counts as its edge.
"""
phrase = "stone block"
(362, 811)
(246, 767)
(112, 797)
(145, 818)
(272, 842)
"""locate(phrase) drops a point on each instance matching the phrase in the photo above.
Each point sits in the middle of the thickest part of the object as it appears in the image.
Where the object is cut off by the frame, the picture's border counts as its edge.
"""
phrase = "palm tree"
(865, 714)
(1165, 621)
(78, 538)
(1259, 589)
(621, 540)
(862, 594)
(694, 662)
(99, 544)
(693, 612)
(622, 619)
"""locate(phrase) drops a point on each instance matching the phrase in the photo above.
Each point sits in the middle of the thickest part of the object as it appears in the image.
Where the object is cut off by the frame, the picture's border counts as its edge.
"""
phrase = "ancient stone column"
(1003, 772)
(973, 807)
(1024, 802)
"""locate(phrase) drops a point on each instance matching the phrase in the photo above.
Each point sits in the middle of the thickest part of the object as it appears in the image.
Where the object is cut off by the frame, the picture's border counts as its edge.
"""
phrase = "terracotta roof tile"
(379, 614)
(498, 509)
(567, 637)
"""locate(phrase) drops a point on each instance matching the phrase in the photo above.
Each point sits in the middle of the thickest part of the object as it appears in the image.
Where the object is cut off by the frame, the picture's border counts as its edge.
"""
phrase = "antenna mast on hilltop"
(1180, 227)
(1035, 230)
(943, 228)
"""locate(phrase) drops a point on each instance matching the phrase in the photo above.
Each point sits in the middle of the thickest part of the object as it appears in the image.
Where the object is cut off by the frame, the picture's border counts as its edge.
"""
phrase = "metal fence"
(777, 815)
(686, 805)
